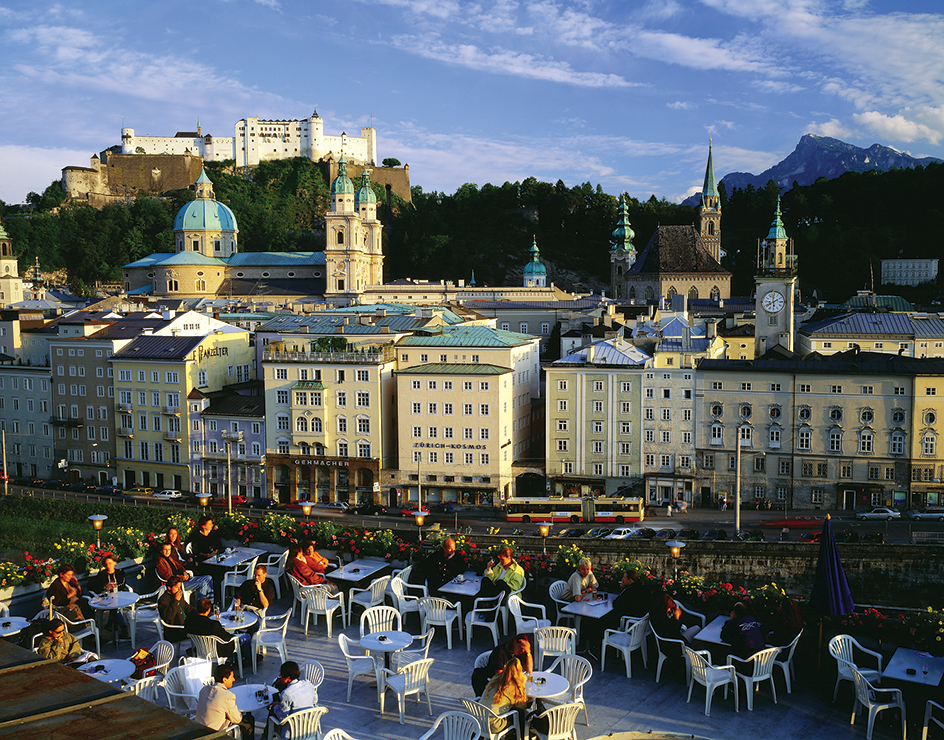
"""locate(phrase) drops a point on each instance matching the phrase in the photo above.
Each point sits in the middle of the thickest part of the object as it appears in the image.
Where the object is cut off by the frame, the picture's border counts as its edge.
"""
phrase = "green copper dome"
(777, 231)
(535, 266)
(342, 184)
(366, 193)
(623, 234)
(205, 213)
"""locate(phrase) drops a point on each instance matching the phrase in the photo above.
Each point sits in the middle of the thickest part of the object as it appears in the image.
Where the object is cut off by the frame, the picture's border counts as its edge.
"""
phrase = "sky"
(621, 93)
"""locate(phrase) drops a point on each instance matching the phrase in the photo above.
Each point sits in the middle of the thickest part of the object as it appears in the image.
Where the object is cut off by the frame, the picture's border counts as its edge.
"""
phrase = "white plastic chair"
(305, 724)
(402, 601)
(365, 598)
(4, 610)
(786, 664)
(298, 594)
(358, 663)
(313, 672)
(526, 624)
(489, 721)
(551, 642)
(763, 661)
(275, 567)
(482, 660)
(869, 697)
(441, 612)
(337, 734)
(557, 593)
(402, 657)
(485, 613)
(163, 653)
(271, 635)
(505, 606)
(82, 629)
(235, 578)
(929, 717)
(182, 685)
(846, 650)
(413, 678)
(561, 721)
(699, 617)
(626, 642)
(320, 601)
(207, 647)
(577, 670)
(380, 619)
(455, 726)
(144, 611)
(146, 688)
(710, 676)
(669, 647)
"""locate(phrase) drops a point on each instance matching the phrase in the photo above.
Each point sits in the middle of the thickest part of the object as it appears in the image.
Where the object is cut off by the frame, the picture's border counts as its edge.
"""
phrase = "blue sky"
(623, 93)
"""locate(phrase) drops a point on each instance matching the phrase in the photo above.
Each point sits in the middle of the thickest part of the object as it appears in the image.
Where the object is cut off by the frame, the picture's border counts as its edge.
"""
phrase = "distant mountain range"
(820, 156)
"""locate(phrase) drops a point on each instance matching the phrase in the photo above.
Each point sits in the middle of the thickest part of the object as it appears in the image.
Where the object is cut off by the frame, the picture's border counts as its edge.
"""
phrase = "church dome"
(342, 184)
(365, 193)
(205, 214)
(535, 266)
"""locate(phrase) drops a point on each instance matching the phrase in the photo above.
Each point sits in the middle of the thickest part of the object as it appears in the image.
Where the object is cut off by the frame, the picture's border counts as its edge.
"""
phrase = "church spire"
(709, 213)
(623, 233)
(710, 188)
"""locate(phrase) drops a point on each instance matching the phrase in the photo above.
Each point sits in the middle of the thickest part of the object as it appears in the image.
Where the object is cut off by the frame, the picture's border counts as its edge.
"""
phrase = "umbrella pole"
(819, 649)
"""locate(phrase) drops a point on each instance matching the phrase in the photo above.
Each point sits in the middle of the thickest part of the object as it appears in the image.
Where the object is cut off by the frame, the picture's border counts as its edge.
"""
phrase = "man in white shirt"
(216, 705)
(295, 693)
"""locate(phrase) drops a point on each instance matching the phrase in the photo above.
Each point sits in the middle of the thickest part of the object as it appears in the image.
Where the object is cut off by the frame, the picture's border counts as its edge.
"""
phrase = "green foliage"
(391, 162)
(567, 559)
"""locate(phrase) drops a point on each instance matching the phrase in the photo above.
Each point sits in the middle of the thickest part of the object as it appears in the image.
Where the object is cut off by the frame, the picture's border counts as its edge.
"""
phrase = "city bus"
(617, 510)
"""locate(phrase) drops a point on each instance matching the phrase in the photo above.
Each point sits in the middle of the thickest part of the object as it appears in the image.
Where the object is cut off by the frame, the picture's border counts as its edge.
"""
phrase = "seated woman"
(518, 647)
(300, 568)
(665, 619)
(505, 576)
(65, 593)
(108, 580)
(507, 692)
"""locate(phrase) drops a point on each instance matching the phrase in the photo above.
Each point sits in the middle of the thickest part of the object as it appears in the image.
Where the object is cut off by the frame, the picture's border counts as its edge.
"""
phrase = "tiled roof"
(593, 301)
(191, 258)
(459, 368)
(608, 352)
(864, 323)
(468, 336)
(129, 328)
(235, 404)
(158, 348)
(674, 249)
(851, 362)
(273, 259)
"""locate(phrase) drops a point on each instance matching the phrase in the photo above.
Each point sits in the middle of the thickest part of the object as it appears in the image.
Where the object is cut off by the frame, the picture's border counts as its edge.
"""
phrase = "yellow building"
(153, 375)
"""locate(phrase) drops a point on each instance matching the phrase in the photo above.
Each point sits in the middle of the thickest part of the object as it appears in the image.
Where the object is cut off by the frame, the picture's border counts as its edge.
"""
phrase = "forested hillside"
(840, 227)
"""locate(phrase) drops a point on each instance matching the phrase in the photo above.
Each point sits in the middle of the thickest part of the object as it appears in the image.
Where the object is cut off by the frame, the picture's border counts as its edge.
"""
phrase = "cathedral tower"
(775, 287)
(709, 213)
(535, 273)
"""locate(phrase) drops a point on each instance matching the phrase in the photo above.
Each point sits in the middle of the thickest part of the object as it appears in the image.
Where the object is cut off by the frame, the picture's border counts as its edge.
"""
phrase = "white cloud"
(703, 54)
(504, 61)
(31, 168)
(777, 87)
(897, 127)
(834, 128)
(679, 105)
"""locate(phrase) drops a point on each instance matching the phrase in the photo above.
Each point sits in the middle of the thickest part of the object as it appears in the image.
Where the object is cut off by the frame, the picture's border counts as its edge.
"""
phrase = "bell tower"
(709, 213)
(775, 288)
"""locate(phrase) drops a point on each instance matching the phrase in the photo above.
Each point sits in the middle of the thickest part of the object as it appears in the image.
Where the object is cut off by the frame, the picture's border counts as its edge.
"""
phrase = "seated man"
(57, 644)
(169, 565)
(295, 694)
(582, 583)
(441, 567)
(258, 592)
(518, 647)
(199, 622)
(742, 632)
(173, 608)
(632, 601)
(205, 539)
(216, 705)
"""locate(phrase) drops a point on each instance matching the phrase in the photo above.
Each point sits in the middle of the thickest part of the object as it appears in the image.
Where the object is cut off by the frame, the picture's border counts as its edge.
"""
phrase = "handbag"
(144, 664)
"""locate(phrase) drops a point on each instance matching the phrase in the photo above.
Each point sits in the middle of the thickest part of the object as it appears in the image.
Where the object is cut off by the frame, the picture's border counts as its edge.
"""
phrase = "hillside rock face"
(821, 156)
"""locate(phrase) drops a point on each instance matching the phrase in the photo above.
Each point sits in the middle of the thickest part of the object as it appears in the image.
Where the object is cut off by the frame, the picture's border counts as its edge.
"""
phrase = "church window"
(632, 293)
(172, 286)
(201, 286)
(217, 245)
(619, 269)
(672, 291)
(340, 237)
(711, 228)
(340, 285)
(196, 245)
(693, 293)
(715, 293)
(649, 293)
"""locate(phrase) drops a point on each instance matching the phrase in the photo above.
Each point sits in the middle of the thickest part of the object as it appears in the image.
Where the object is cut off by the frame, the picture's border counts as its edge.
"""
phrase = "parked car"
(880, 513)
(27, 480)
(85, 488)
(755, 535)
(55, 485)
(109, 490)
(620, 533)
(297, 505)
(714, 535)
(339, 506)
(847, 535)
(665, 534)
(932, 514)
(368, 510)
(221, 501)
(688, 534)
(597, 533)
(168, 494)
(262, 503)
(643, 533)
(140, 491)
(446, 507)
(572, 532)
(411, 509)
(811, 537)
(876, 537)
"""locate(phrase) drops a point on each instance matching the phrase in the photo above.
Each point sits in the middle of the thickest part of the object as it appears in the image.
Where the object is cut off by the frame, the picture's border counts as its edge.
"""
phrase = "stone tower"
(709, 213)
(775, 287)
(622, 253)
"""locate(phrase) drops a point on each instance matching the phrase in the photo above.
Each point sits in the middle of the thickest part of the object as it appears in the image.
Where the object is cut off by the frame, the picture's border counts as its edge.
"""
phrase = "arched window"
(316, 425)
(201, 286)
(650, 294)
(775, 433)
(305, 448)
(342, 448)
(340, 237)
(632, 293)
(672, 291)
(715, 293)
(866, 442)
(711, 228)
(619, 269)
(301, 424)
(693, 293)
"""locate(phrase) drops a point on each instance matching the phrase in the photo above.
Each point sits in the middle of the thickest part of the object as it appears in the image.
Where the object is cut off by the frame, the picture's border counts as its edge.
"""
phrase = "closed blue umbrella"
(830, 595)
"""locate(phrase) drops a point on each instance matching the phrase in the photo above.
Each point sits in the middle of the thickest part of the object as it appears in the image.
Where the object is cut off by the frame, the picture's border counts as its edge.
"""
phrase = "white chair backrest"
(305, 724)
(841, 646)
(415, 674)
(560, 721)
(378, 587)
(558, 589)
(318, 598)
(455, 726)
(146, 688)
(163, 653)
(576, 669)
(637, 633)
(206, 646)
(313, 672)
(351, 650)
(699, 664)
(398, 589)
(337, 734)
(488, 606)
(482, 713)
(763, 661)
(786, 652)
(437, 609)
(4, 609)
(380, 619)
(482, 660)
(557, 639)
(277, 622)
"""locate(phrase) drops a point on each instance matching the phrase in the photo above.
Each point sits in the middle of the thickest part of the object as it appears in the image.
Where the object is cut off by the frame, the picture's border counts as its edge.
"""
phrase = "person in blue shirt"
(743, 633)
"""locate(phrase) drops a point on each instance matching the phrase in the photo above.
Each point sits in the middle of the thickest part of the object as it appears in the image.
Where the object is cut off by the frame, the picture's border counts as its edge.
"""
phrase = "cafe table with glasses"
(596, 607)
(11, 626)
(233, 556)
(465, 584)
(109, 670)
(236, 621)
(545, 685)
(252, 697)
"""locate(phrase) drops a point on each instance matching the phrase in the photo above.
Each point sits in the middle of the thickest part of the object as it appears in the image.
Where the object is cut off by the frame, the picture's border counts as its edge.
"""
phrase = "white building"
(908, 271)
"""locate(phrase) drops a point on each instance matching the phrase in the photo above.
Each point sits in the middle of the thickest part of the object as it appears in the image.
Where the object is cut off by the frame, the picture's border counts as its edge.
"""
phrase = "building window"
(805, 388)
(929, 445)
(745, 386)
(717, 434)
(865, 443)
(817, 496)
(874, 472)
(804, 439)
(845, 470)
(835, 441)
(650, 461)
(708, 462)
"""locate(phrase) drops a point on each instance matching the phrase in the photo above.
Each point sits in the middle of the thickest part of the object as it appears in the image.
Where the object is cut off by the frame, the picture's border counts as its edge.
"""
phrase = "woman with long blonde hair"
(506, 692)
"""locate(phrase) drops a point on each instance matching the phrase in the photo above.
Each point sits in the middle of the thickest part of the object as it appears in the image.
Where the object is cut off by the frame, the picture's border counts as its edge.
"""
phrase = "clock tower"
(775, 287)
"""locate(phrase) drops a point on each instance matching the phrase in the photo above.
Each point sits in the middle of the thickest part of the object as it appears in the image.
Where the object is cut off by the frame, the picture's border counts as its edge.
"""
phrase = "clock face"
(773, 302)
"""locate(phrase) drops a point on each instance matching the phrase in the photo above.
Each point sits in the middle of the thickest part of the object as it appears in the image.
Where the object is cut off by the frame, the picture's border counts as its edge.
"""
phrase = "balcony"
(232, 436)
(68, 422)
(127, 407)
(375, 357)
(125, 432)
(172, 410)
(173, 436)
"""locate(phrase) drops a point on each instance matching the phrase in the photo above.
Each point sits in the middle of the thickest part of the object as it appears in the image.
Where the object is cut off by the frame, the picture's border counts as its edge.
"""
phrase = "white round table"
(114, 600)
(10, 626)
(111, 670)
(389, 641)
(247, 698)
(227, 620)
(545, 685)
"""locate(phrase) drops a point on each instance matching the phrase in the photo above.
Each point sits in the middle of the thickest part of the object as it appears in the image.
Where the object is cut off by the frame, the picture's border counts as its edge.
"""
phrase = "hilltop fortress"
(156, 164)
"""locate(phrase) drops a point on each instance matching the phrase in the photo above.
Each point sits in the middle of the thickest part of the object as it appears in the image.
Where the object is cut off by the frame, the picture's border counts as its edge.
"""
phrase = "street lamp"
(545, 530)
(306, 509)
(419, 519)
(98, 521)
(203, 499)
(675, 549)
(738, 439)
